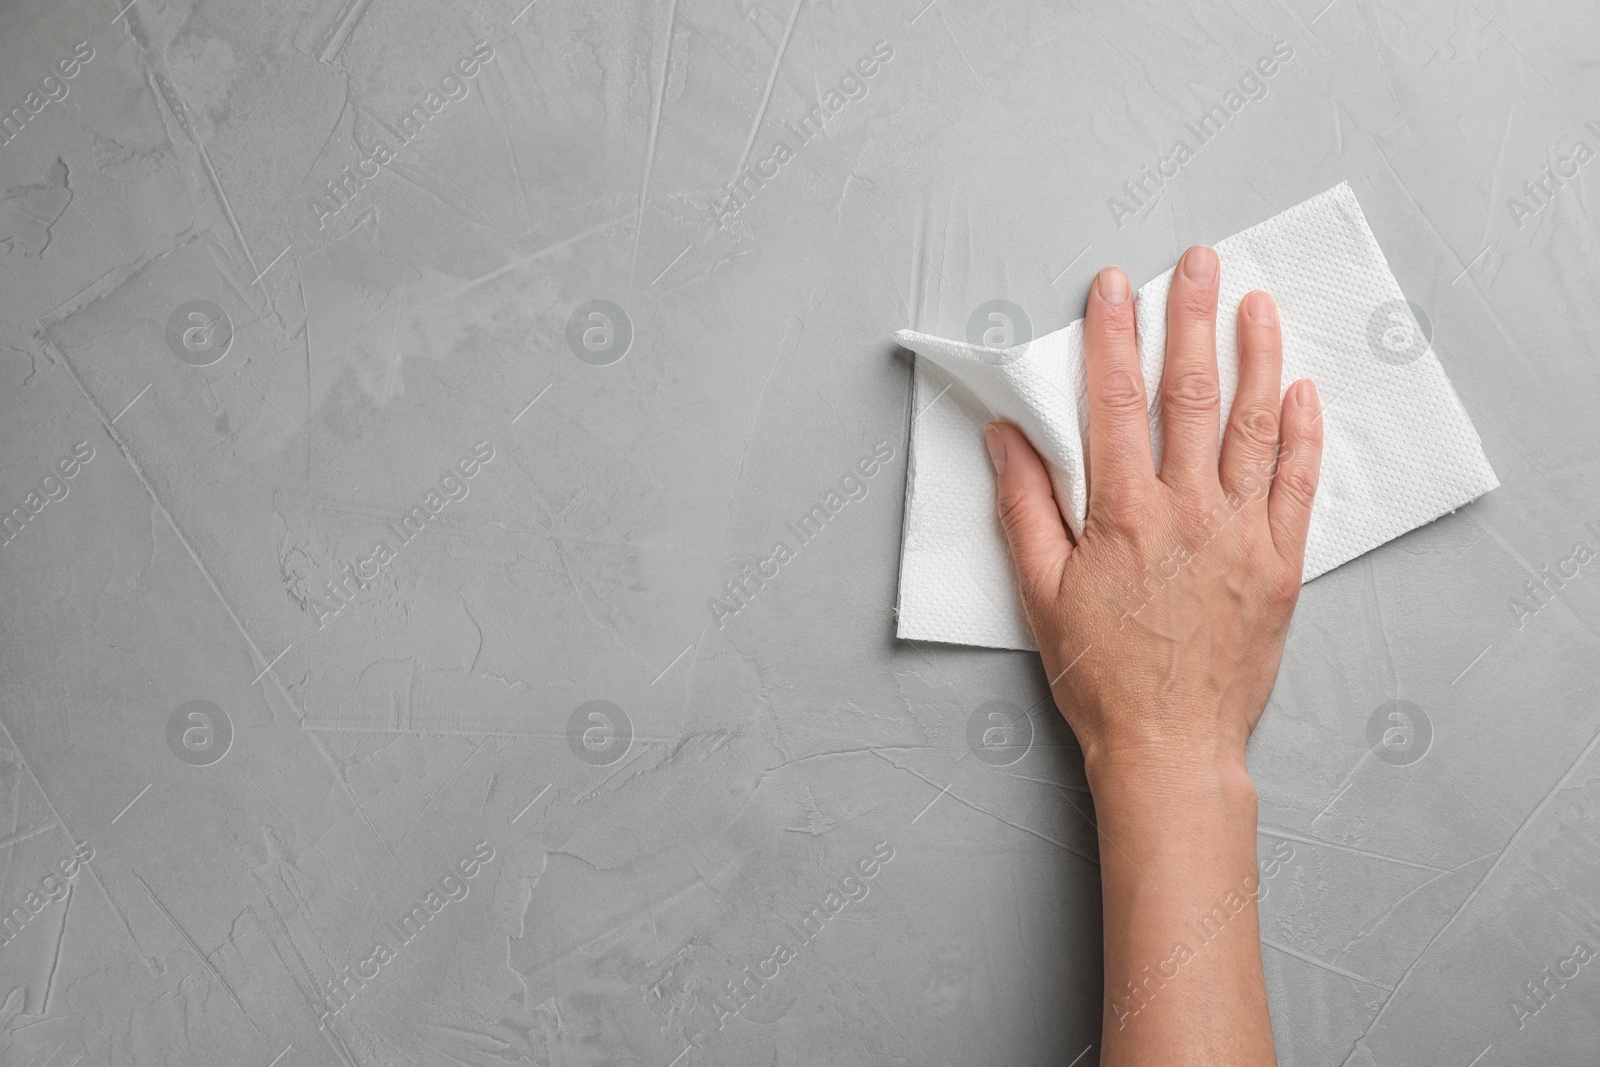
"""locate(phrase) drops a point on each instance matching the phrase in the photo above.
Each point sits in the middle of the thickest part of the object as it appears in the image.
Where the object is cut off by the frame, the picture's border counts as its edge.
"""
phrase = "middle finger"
(1189, 390)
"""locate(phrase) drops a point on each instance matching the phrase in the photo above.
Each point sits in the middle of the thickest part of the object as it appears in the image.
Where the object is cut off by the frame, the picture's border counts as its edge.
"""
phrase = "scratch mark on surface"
(1474, 663)
(499, 631)
(1330, 968)
(339, 776)
(650, 147)
(1318, 842)
(530, 404)
(1327, 807)
(132, 402)
(310, 840)
(1069, 266)
(172, 523)
(531, 803)
(1411, 893)
(979, 807)
(204, 959)
(674, 263)
(766, 95)
(382, 879)
(54, 811)
(96, 1029)
(23, 835)
(728, 859)
(269, 666)
(962, 53)
(97, 630)
(313, 445)
(1513, 45)
(931, 803)
(169, 93)
(269, 266)
(55, 958)
(673, 664)
(337, 24)
(1113, 46)
(131, 803)
(67, 196)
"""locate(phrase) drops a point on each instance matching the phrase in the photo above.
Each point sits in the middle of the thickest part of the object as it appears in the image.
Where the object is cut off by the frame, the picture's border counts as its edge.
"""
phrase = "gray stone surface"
(254, 379)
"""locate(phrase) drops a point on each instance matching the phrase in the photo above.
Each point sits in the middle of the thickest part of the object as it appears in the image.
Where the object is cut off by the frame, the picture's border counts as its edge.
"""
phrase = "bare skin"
(1161, 627)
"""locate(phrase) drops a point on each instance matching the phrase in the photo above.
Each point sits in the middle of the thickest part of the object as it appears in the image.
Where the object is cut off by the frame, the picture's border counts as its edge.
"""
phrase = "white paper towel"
(1398, 452)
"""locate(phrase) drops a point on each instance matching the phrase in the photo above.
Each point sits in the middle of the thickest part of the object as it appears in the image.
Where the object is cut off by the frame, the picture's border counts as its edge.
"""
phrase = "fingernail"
(1305, 394)
(997, 447)
(1113, 285)
(1200, 265)
(1261, 309)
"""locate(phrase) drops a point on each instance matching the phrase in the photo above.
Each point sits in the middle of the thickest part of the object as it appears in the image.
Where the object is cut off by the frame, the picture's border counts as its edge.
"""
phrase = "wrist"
(1166, 780)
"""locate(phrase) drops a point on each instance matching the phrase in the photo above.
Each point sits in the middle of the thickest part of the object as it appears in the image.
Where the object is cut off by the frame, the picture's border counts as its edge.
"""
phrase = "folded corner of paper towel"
(1398, 448)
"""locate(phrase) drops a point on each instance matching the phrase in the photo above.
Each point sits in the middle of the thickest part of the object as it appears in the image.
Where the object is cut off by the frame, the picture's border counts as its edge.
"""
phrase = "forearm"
(1183, 978)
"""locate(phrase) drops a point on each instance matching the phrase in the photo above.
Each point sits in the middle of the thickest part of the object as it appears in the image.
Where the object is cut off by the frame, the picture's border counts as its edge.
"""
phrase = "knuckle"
(1257, 427)
(1121, 391)
(1192, 389)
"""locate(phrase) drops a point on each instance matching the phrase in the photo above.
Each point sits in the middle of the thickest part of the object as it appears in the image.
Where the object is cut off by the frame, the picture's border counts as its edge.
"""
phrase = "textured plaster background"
(360, 751)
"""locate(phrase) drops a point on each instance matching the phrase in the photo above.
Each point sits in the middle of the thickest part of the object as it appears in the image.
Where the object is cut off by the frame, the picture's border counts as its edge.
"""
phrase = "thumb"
(1026, 507)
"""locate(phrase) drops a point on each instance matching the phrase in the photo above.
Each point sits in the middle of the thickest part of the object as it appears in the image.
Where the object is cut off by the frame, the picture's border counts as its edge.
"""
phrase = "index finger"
(1119, 421)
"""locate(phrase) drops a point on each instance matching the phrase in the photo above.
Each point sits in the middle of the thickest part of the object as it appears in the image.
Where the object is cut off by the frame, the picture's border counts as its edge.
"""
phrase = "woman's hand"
(1162, 626)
